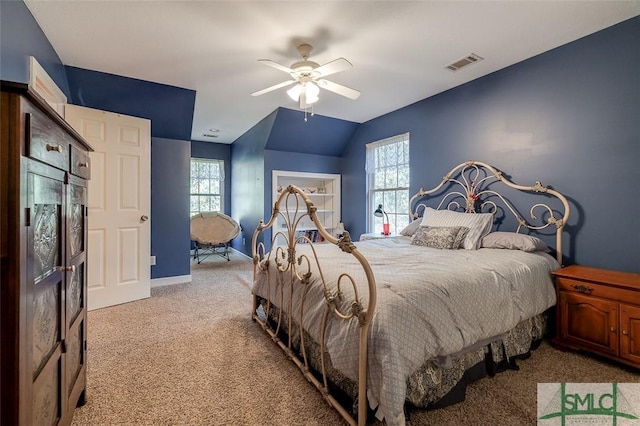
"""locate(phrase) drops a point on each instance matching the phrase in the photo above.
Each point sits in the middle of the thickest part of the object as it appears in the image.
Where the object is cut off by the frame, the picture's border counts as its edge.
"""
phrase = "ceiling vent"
(471, 58)
(209, 135)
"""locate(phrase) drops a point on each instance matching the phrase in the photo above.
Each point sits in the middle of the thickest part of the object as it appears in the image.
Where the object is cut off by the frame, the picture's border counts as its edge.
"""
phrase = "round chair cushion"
(213, 228)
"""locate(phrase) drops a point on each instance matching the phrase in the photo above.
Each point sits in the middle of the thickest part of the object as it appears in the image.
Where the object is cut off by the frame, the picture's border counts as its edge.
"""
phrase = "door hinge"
(63, 346)
(27, 216)
(85, 345)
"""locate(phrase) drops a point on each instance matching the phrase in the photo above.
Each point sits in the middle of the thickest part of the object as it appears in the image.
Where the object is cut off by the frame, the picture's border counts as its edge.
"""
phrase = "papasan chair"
(211, 233)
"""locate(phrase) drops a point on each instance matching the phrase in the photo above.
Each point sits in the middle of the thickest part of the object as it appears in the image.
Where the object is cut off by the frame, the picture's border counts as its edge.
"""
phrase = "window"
(388, 182)
(207, 184)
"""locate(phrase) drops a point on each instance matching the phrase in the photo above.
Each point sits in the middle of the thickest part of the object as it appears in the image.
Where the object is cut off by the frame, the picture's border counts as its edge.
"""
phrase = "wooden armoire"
(44, 171)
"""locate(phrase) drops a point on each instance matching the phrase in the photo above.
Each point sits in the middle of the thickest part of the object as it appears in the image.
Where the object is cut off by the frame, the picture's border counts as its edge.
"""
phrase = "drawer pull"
(83, 165)
(625, 332)
(613, 329)
(582, 288)
(56, 148)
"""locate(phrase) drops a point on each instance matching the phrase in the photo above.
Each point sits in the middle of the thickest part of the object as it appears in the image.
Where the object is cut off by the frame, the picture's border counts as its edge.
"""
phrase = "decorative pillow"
(479, 224)
(514, 241)
(411, 228)
(446, 238)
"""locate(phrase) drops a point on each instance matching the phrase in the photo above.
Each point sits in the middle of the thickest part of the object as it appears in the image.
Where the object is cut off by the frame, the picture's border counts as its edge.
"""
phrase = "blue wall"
(170, 243)
(21, 37)
(217, 151)
(247, 168)
(318, 135)
(568, 117)
(169, 108)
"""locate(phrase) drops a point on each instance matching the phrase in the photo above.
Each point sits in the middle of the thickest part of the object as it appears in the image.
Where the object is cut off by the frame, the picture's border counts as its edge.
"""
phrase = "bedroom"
(578, 132)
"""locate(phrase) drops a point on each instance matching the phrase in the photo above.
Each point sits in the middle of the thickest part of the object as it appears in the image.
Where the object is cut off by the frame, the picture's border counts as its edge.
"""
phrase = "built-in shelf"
(323, 190)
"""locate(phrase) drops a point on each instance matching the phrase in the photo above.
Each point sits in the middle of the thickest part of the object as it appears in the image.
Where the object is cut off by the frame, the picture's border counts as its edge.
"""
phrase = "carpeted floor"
(190, 355)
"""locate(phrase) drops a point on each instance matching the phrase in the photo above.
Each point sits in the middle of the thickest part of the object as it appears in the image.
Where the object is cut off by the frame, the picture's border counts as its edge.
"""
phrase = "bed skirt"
(438, 382)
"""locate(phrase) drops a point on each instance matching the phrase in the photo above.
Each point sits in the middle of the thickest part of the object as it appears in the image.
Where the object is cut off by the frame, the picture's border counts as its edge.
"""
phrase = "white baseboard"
(179, 279)
(240, 253)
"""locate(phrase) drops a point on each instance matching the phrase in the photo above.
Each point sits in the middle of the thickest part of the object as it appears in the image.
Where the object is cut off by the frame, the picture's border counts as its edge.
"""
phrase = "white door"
(119, 205)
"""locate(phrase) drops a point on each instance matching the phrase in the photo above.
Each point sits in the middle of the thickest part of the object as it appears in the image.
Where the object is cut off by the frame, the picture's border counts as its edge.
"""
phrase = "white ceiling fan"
(309, 77)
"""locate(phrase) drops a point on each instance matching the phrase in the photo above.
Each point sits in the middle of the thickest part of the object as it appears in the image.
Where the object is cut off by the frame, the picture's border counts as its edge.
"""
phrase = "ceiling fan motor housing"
(304, 69)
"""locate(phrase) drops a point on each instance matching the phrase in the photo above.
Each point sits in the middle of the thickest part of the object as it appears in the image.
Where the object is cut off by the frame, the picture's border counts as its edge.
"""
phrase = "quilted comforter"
(431, 304)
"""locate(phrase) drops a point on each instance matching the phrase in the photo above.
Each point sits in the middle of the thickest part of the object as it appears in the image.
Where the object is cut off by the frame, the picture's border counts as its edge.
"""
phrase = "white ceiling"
(398, 48)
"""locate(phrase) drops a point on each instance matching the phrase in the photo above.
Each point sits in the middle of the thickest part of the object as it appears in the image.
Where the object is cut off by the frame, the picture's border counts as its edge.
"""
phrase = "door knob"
(144, 218)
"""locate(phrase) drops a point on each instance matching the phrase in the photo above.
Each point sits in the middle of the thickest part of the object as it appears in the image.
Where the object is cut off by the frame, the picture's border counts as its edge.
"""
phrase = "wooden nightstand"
(374, 236)
(599, 311)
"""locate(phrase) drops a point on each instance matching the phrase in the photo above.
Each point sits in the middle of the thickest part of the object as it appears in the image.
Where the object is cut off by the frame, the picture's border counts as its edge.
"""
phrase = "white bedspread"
(431, 303)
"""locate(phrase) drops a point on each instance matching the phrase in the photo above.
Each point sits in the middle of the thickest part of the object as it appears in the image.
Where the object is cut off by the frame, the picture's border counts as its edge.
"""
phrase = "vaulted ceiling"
(398, 49)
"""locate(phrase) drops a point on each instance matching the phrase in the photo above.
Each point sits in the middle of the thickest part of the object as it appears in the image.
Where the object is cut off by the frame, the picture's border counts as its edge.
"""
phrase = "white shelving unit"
(324, 191)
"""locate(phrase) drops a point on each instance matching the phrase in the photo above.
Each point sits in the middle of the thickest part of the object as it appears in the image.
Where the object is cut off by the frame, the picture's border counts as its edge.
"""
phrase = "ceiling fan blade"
(275, 65)
(274, 87)
(339, 89)
(333, 67)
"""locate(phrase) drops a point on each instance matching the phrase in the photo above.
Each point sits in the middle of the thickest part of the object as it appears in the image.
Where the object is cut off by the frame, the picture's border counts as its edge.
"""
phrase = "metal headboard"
(472, 190)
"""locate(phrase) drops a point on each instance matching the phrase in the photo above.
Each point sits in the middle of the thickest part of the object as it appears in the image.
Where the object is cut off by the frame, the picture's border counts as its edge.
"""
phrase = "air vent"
(209, 135)
(472, 58)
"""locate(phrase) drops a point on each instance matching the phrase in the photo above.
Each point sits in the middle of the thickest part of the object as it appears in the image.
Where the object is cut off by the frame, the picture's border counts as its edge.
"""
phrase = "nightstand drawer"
(597, 290)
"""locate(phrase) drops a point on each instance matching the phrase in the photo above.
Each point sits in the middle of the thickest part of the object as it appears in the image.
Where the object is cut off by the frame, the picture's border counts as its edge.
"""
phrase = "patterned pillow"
(446, 238)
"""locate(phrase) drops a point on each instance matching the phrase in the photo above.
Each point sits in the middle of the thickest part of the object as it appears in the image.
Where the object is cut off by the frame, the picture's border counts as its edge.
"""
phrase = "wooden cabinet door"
(589, 322)
(76, 294)
(630, 333)
(44, 403)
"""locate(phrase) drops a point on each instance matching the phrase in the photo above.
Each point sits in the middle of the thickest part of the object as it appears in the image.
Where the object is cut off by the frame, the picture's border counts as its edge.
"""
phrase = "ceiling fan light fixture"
(311, 91)
(294, 92)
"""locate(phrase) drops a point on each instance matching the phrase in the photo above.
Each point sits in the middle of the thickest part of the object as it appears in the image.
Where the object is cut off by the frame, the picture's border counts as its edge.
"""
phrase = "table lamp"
(385, 224)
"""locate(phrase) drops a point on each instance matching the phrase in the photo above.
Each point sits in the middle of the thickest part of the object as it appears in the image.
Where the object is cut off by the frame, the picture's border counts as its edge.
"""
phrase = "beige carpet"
(190, 355)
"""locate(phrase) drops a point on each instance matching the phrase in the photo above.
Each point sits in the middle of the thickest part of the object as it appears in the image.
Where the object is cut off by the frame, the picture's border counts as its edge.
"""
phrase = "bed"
(383, 324)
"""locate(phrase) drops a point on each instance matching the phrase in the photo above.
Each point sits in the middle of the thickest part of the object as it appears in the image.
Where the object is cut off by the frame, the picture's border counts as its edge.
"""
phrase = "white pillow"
(479, 224)
(513, 241)
(411, 228)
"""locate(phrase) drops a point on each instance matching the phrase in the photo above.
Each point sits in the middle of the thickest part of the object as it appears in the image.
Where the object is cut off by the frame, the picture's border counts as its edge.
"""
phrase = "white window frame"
(219, 193)
(397, 208)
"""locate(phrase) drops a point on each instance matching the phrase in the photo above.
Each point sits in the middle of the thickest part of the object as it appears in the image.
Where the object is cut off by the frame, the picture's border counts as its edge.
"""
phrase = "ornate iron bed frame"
(472, 193)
